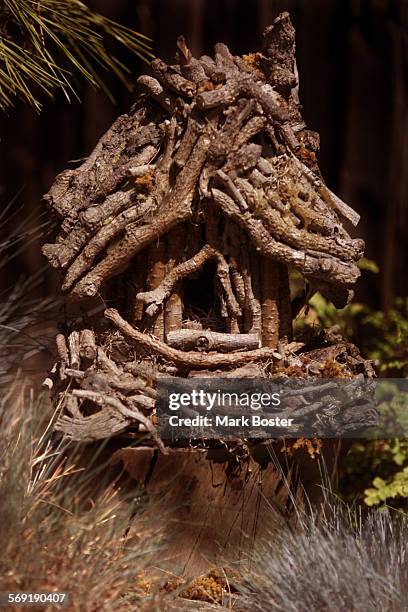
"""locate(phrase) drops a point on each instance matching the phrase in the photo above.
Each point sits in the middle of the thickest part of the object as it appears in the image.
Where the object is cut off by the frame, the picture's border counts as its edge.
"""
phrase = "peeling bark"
(270, 301)
(190, 339)
(285, 307)
(173, 318)
(157, 273)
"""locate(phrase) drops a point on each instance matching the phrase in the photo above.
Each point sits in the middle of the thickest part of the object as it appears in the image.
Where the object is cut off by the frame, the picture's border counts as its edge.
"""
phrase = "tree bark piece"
(203, 340)
(87, 345)
(270, 302)
(157, 272)
(285, 307)
(162, 174)
(173, 317)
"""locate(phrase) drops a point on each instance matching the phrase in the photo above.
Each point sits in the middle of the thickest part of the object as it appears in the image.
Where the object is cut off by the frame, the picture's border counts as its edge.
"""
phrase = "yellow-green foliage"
(383, 491)
(391, 489)
(376, 471)
(380, 336)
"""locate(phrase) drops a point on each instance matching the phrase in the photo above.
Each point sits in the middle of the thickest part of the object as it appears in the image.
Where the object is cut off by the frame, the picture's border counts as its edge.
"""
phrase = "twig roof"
(226, 133)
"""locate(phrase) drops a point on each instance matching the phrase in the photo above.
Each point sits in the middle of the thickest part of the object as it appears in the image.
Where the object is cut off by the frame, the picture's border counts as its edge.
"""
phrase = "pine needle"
(46, 44)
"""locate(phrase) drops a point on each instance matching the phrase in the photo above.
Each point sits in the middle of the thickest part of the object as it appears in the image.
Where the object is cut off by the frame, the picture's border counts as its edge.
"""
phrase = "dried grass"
(55, 536)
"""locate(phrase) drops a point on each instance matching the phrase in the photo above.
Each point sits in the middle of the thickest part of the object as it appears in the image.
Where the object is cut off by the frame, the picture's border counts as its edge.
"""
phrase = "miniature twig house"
(186, 219)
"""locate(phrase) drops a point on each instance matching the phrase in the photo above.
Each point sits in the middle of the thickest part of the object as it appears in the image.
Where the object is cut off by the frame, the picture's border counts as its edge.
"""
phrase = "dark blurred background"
(353, 65)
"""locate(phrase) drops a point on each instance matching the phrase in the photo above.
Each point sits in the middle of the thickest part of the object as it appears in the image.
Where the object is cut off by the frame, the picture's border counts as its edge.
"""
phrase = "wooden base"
(213, 513)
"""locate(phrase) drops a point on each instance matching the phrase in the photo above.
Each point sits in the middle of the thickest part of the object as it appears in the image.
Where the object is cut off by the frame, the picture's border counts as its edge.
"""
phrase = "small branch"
(73, 344)
(270, 301)
(223, 274)
(203, 340)
(285, 307)
(62, 349)
(191, 68)
(101, 240)
(187, 142)
(156, 91)
(187, 359)
(234, 192)
(212, 71)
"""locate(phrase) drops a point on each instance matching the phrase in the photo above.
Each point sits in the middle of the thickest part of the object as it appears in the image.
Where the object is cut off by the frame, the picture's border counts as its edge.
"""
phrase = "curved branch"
(188, 359)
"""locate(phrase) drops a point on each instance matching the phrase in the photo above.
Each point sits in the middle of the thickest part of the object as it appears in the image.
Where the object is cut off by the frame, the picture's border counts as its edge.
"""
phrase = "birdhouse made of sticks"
(188, 220)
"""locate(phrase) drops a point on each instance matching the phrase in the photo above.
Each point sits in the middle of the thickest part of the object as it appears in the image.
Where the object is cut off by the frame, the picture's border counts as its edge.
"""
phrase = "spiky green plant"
(46, 44)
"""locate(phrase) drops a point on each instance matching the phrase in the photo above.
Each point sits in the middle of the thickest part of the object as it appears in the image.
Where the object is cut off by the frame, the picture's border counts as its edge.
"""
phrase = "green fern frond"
(45, 44)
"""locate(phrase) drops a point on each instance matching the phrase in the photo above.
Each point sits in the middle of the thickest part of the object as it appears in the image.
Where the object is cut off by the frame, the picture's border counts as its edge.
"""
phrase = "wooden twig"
(173, 316)
(191, 68)
(156, 274)
(171, 79)
(156, 91)
(188, 359)
(270, 302)
(62, 349)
